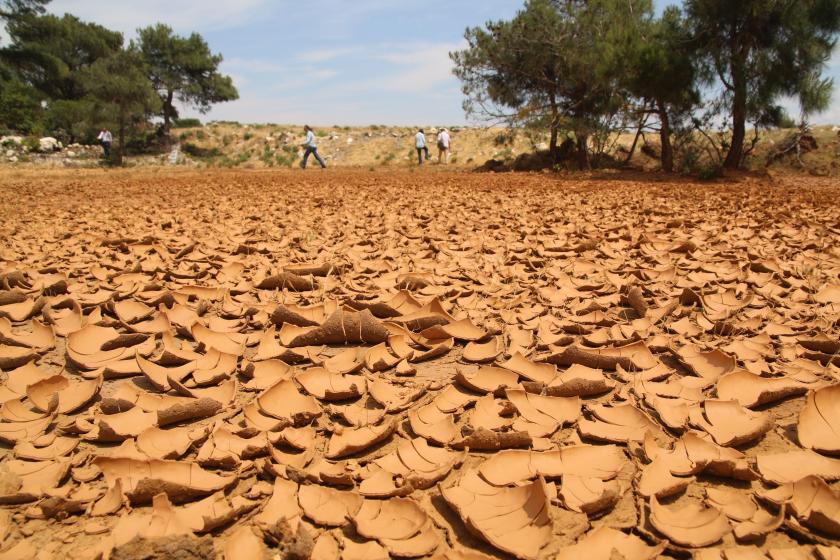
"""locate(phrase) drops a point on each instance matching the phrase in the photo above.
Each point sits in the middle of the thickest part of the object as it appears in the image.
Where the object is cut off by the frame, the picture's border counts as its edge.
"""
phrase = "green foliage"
(20, 107)
(247, 136)
(200, 135)
(120, 94)
(186, 123)
(758, 51)
(183, 68)
(199, 152)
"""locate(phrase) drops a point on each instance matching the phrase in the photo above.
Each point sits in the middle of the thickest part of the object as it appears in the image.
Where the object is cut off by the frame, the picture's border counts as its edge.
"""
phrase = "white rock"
(10, 153)
(48, 144)
(349, 140)
(13, 159)
(71, 153)
(9, 140)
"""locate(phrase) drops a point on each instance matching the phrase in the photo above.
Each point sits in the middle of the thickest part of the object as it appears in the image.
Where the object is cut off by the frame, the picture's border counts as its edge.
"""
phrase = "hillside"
(257, 146)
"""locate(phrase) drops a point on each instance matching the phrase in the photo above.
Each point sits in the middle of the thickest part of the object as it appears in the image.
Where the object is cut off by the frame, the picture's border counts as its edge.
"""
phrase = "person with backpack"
(420, 144)
(443, 142)
(310, 146)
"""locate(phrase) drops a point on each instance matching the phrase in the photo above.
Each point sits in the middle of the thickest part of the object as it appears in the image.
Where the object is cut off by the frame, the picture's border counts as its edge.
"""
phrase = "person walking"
(310, 146)
(443, 146)
(420, 144)
(105, 138)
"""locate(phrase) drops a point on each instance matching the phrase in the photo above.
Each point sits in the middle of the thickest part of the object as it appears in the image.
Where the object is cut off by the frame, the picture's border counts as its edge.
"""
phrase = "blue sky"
(326, 62)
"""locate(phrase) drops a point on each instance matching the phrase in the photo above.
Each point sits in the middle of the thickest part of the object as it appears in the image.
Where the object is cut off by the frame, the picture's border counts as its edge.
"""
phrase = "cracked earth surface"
(368, 365)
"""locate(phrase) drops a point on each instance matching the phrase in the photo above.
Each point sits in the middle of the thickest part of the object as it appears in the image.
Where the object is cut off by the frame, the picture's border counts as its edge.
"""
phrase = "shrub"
(186, 123)
(199, 152)
(247, 136)
(200, 135)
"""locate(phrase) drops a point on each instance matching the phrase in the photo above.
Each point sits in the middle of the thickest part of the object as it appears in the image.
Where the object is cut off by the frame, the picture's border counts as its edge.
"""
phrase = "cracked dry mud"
(364, 365)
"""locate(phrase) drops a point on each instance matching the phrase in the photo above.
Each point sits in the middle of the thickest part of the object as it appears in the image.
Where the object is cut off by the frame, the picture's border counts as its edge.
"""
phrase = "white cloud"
(182, 15)
(325, 55)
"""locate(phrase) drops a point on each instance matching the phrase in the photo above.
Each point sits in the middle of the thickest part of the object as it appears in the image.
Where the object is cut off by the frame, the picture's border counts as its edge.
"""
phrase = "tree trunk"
(582, 150)
(119, 151)
(667, 158)
(552, 144)
(738, 69)
(167, 111)
(639, 128)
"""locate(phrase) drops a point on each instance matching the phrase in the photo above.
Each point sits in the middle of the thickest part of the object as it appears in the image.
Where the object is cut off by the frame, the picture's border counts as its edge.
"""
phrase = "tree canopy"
(588, 68)
(183, 68)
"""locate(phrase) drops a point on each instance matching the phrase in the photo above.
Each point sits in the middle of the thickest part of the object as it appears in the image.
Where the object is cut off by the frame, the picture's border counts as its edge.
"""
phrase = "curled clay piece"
(244, 543)
(267, 373)
(342, 327)
(816, 505)
(368, 550)
(692, 526)
(380, 358)
(359, 414)
(418, 463)
(26, 481)
(282, 506)
(71, 396)
(327, 386)
(284, 402)
(214, 511)
(121, 426)
(487, 414)
(328, 506)
(41, 338)
(164, 444)
(287, 281)
(398, 524)
(484, 352)
(752, 390)
(226, 451)
(790, 466)
(142, 480)
(159, 376)
(19, 379)
(110, 502)
(395, 398)
(709, 365)
(429, 422)
(486, 440)
(620, 424)
(819, 420)
(487, 379)
(589, 495)
(514, 520)
(227, 343)
(735, 505)
(729, 423)
(603, 542)
(762, 523)
(297, 316)
(632, 357)
(61, 447)
(12, 357)
(299, 438)
(20, 410)
(453, 398)
(673, 413)
(348, 361)
(459, 330)
(541, 416)
(353, 440)
(692, 455)
(585, 461)
(532, 371)
(656, 480)
(579, 380)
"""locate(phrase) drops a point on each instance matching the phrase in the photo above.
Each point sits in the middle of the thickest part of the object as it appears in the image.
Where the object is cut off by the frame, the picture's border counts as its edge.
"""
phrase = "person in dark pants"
(420, 144)
(105, 138)
(310, 147)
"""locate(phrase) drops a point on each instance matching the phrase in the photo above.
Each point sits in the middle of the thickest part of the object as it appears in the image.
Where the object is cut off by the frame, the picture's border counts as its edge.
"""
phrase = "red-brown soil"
(346, 364)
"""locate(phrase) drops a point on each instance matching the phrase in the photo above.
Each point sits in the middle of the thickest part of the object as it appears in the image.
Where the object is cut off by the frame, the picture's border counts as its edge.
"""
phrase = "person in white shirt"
(443, 146)
(420, 144)
(105, 138)
(310, 146)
